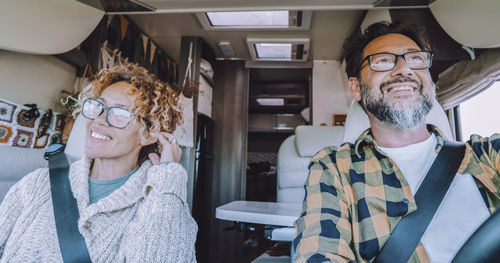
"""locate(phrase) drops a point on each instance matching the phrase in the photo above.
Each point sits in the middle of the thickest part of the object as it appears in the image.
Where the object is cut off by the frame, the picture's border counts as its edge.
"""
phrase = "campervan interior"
(269, 90)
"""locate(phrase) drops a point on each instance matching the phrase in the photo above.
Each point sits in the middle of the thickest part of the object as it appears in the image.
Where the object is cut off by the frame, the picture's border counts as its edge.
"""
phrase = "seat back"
(76, 142)
(16, 162)
(295, 154)
(357, 121)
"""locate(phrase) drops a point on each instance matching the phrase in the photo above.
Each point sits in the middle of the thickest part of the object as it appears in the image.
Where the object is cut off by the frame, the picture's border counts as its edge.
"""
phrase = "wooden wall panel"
(230, 112)
(188, 153)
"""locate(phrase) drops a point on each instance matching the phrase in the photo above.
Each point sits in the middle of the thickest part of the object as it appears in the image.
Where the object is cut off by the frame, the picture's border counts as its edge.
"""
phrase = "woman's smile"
(99, 136)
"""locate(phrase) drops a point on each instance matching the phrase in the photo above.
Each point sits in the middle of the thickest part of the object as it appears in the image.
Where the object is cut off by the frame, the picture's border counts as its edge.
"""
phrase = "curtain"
(466, 79)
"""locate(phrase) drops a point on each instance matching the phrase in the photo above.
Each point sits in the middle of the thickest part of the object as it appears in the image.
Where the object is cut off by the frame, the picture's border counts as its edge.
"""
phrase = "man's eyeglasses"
(387, 61)
(115, 116)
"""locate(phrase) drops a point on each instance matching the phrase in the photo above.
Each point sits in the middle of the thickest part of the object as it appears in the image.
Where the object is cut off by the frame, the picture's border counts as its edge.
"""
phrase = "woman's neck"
(109, 169)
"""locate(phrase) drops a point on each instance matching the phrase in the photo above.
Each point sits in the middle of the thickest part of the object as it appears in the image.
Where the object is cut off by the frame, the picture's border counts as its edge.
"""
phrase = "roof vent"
(278, 49)
(241, 20)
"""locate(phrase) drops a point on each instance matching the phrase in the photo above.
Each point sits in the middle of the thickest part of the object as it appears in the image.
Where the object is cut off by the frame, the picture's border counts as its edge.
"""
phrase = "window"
(480, 115)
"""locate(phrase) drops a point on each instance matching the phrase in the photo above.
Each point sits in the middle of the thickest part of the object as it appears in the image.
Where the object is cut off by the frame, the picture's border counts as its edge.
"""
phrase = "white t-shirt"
(462, 210)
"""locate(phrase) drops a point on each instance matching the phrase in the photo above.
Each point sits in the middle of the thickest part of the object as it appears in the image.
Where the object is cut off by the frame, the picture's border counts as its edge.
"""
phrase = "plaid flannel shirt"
(356, 195)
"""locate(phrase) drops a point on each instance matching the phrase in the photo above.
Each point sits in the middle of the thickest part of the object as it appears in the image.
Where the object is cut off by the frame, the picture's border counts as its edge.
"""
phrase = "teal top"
(99, 189)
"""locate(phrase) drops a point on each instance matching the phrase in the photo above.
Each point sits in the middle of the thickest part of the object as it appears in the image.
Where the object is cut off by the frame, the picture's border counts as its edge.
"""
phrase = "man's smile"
(401, 87)
(398, 88)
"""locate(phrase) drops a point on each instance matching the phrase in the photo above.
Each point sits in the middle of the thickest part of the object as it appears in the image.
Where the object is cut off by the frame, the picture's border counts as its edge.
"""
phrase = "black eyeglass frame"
(367, 58)
(104, 107)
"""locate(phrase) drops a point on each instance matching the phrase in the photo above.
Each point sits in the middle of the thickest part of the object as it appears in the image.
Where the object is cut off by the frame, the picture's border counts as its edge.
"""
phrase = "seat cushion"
(291, 195)
(17, 162)
(295, 154)
(292, 169)
(311, 139)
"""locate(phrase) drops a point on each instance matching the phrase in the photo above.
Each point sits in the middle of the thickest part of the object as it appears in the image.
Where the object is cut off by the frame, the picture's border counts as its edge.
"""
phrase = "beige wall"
(36, 79)
(328, 91)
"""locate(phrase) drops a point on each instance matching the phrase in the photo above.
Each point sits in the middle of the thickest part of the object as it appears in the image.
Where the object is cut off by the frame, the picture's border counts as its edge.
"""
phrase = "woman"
(131, 209)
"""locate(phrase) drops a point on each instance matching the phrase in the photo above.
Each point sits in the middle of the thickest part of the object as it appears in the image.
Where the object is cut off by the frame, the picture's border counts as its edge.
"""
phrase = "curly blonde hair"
(156, 106)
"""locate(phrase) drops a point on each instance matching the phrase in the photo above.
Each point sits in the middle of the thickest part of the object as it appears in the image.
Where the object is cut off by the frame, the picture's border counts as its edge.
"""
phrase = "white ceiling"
(45, 27)
(327, 33)
(226, 5)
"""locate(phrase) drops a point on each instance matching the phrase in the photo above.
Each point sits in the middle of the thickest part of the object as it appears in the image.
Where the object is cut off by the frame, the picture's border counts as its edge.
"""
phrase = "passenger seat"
(294, 156)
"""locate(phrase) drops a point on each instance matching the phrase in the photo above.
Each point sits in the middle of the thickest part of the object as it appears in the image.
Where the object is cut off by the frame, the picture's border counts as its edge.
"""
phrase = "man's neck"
(388, 136)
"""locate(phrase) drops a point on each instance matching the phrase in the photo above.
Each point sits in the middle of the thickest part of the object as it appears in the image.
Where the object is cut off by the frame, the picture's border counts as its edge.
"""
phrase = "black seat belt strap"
(71, 242)
(408, 232)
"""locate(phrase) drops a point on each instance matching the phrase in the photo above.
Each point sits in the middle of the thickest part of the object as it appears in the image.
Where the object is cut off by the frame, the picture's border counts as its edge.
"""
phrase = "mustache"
(398, 80)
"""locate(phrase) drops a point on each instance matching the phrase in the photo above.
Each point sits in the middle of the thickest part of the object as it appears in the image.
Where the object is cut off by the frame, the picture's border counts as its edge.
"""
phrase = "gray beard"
(402, 116)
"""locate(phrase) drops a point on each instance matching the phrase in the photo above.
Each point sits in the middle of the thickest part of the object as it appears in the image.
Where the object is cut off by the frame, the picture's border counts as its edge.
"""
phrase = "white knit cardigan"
(145, 220)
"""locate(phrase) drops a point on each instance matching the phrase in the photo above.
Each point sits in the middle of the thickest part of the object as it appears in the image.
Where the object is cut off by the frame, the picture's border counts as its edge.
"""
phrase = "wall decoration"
(184, 132)
(5, 134)
(41, 142)
(125, 38)
(23, 139)
(46, 123)
(28, 126)
(6, 111)
(26, 119)
(68, 126)
(59, 122)
(55, 138)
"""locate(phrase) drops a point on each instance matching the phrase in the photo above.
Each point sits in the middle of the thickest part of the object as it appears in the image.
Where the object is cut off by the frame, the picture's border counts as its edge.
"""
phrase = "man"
(357, 193)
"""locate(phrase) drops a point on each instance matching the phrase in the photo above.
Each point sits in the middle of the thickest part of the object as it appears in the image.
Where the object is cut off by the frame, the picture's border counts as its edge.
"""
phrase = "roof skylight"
(274, 50)
(253, 18)
(282, 20)
(278, 49)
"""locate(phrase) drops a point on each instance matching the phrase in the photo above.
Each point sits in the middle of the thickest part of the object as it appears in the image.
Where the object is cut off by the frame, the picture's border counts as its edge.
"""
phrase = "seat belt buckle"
(53, 149)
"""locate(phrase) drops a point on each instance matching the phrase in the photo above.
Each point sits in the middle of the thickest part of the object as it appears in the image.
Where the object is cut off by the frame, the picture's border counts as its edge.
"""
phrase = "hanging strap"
(71, 242)
(408, 232)
(188, 76)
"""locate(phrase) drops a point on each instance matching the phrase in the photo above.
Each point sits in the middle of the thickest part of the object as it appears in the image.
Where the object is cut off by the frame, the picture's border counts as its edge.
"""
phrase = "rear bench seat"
(16, 162)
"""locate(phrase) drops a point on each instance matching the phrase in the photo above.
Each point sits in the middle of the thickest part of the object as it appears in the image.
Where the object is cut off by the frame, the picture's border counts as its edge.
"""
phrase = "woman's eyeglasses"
(115, 116)
(387, 61)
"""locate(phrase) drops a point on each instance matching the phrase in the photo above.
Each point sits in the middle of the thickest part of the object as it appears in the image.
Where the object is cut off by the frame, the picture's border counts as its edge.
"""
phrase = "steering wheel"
(484, 244)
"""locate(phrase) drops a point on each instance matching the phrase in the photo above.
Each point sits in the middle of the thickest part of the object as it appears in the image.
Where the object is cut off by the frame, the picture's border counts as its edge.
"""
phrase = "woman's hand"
(170, 150)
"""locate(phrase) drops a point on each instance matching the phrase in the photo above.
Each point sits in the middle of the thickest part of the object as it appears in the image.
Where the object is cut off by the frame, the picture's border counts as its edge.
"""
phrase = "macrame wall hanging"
(119, 35)
(111, 57)
(185, 132)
